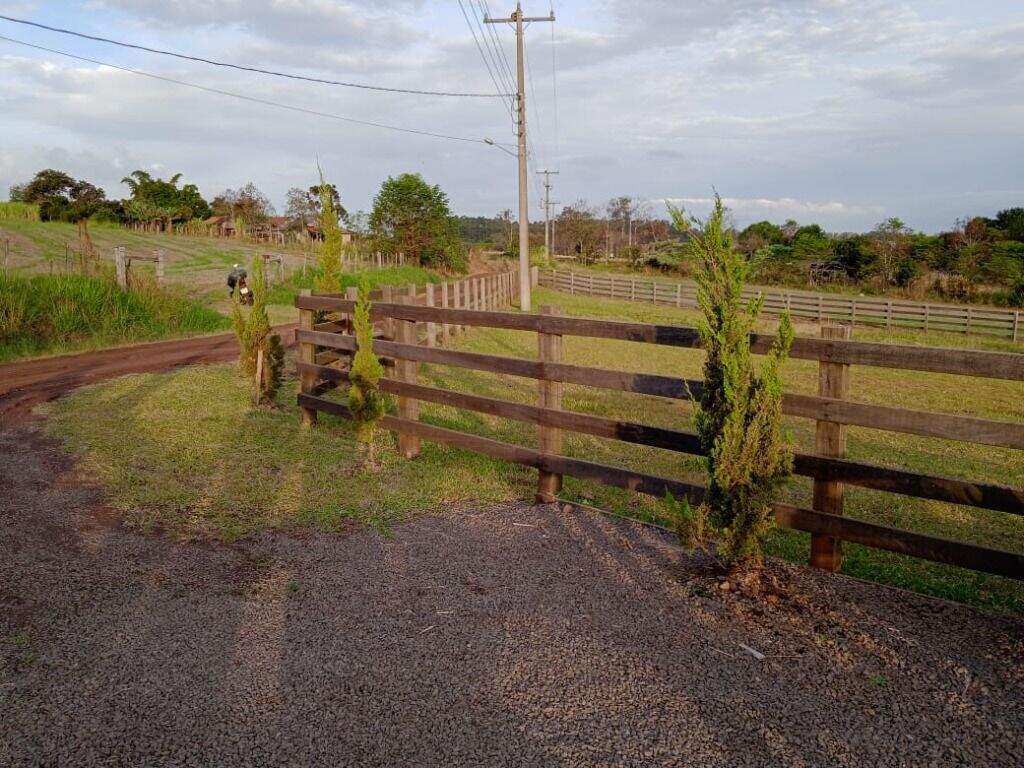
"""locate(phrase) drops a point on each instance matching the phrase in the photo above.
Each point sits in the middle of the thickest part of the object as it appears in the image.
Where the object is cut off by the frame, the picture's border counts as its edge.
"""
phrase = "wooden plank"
(999, 365)
(865, 475)
(933, 548)
(830, 440)
(924, 423)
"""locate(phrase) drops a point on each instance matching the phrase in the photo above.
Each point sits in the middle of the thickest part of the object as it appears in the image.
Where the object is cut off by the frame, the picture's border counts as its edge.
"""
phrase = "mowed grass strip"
(201, 462)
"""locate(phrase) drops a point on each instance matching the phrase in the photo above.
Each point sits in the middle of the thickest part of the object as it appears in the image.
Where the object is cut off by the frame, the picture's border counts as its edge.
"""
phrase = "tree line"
(409, 215)
(979, 258)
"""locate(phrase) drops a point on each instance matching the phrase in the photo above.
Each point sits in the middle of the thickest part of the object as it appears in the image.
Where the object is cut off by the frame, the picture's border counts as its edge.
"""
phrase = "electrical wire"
(494, 79)
(243, 68)
(501, 83)
(253, 99)
(554, 84)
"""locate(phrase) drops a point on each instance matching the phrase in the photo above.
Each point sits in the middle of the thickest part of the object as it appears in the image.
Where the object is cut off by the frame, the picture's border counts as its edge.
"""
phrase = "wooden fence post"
(830, 440)
(406, 370)
(161, 258)
(121, 266)
(431, 326)
(388, 297)
(1016, 323)
(549, 439)
(446, 329)
(307, 354)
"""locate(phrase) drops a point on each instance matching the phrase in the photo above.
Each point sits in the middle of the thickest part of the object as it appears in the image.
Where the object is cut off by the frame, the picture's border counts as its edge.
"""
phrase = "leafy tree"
(61, 197)
(154, 199)
(811, 242)
(760, 235)
(329, 280)
(1009, 221)
(306, 205)
(583, 231)
(365, 400)
(247, 206)
(412, 217)
(739, 418)
(889, 245)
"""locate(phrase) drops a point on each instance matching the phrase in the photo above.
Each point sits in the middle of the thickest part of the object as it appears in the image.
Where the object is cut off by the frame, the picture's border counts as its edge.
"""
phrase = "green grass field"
(203, 463)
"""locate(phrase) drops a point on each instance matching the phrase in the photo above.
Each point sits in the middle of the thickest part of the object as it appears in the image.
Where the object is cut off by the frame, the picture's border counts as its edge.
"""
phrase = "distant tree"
(61, 197)
(760, 235)
(1009, 221)
(247, 206)
(306, 204)
(578, 227)
(811, 242)
(889, 245)
(153, 199)
(412, 217)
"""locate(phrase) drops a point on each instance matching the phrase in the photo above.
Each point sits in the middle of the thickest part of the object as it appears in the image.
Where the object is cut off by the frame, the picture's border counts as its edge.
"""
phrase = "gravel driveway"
(509, 636)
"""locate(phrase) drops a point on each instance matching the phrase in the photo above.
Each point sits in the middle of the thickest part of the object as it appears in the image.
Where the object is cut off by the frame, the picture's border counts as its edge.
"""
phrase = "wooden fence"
(818, 307)
(407, 320)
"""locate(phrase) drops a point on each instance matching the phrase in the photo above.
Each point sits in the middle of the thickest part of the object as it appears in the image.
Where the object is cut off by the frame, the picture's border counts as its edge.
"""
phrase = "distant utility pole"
(547, 209)
(518, 20)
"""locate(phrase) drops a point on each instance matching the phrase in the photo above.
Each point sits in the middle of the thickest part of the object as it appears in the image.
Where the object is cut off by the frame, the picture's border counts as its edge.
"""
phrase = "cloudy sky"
(837, 111)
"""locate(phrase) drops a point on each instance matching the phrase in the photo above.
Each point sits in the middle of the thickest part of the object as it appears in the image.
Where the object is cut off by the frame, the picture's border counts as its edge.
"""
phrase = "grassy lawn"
(202, 462)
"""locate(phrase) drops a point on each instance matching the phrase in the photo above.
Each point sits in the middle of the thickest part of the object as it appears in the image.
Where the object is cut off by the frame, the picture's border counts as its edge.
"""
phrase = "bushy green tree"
(329, 260)
(365, 399)
(154, 199)
(739, 418)
(412, 217)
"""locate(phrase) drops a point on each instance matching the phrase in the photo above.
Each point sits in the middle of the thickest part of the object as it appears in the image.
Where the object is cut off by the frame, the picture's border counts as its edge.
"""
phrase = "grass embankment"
(202, 462)
(284, 293)
(43, 314)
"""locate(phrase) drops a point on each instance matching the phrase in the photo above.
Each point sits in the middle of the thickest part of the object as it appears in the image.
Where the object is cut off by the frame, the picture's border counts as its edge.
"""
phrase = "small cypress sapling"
(329, 261)
(365, 399)
(739, 417)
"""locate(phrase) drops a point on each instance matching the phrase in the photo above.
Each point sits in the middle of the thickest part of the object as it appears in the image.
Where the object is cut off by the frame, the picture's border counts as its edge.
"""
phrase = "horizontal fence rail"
(412, 319)
(818, 307)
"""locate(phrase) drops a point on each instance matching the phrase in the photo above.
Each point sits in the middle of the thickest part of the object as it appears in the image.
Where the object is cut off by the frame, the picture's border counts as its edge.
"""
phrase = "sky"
(840, 112)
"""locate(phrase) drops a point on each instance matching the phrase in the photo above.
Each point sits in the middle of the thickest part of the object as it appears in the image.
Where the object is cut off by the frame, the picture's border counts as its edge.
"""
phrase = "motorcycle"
(244, 294)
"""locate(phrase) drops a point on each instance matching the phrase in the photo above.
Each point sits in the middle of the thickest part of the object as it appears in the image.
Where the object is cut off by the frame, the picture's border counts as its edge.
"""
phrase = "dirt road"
(25, 384)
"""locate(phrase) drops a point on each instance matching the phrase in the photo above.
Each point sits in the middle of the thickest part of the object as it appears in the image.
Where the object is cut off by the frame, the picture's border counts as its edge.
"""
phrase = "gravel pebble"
(465, 639)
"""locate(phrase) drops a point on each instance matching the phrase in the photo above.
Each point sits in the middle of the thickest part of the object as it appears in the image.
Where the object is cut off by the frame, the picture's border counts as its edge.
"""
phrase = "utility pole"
(518, 20)
(547, 209)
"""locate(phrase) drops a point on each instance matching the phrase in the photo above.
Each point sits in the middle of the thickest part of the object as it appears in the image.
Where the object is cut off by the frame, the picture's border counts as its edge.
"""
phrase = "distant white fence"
(854, 310)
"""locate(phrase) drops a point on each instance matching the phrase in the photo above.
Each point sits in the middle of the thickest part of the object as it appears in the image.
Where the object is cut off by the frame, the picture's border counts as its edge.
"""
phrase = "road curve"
(27, 383)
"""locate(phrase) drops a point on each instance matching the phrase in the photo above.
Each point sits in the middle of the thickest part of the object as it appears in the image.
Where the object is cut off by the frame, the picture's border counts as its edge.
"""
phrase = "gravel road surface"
(508, 636)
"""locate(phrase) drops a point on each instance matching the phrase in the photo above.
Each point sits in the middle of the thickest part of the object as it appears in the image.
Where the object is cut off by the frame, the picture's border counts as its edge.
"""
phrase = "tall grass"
(19, 211)
(42, 314)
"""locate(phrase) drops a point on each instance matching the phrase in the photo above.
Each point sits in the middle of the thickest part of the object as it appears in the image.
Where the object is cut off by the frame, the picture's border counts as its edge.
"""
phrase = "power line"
(554, 82)
(485, 10)
(490, 72)
(252, 99)
(243, 68)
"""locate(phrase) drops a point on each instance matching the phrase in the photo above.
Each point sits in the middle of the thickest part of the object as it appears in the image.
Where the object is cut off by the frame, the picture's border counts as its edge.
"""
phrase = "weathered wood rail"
(819, 307)
(417, 323)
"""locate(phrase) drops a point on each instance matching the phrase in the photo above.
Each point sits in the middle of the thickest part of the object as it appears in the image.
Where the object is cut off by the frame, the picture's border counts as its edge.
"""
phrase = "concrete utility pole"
(518, 20)
(547, 209)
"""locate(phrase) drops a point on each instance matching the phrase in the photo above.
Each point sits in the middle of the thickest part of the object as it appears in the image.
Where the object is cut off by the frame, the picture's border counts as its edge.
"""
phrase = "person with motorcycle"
(236, 279)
